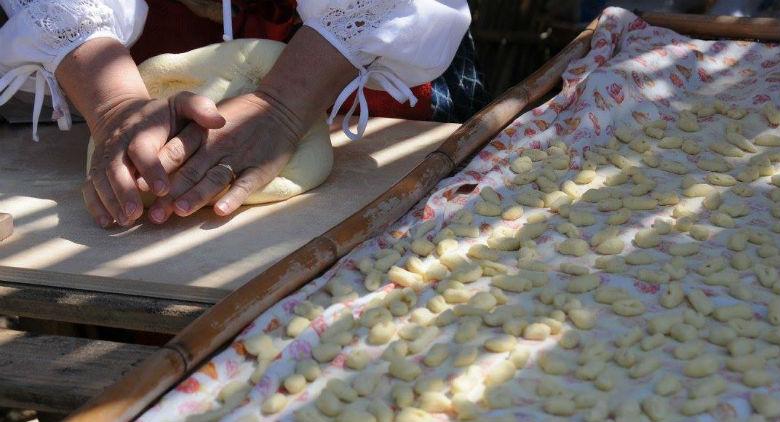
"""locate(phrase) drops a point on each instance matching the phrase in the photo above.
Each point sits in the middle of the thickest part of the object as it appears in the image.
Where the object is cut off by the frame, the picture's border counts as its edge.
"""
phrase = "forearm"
(307, 77)
(99, 76)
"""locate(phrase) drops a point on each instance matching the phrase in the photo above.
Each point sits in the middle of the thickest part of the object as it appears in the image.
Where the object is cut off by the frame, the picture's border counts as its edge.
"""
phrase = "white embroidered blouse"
(395, 44)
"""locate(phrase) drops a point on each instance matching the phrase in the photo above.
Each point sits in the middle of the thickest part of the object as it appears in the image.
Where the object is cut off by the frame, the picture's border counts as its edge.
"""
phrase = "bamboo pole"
(762, 29)
(142, 385)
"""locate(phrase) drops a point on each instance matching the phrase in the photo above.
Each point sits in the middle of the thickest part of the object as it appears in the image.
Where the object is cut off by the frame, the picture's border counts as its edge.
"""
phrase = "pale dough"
(225, 70)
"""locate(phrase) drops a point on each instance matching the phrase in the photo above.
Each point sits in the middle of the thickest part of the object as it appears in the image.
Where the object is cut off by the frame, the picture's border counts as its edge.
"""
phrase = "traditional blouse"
(395, 44)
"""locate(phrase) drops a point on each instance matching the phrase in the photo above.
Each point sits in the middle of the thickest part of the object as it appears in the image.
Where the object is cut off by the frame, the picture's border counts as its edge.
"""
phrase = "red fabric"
(381, 104)
(172, 28)
(267, 19)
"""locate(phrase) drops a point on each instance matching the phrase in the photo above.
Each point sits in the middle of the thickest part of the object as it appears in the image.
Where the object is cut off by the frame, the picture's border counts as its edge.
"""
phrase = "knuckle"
(264, 175)
(219, 176)
(189, 175)
(135, 149)
(174, 152)
(244, 186)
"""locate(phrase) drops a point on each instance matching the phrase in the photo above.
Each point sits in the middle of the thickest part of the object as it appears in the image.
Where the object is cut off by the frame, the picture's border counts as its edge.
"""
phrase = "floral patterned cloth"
(634, 73)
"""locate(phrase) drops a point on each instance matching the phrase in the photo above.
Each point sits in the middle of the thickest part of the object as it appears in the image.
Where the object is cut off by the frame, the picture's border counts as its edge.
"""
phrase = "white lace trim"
(64, 23)
(348, 23)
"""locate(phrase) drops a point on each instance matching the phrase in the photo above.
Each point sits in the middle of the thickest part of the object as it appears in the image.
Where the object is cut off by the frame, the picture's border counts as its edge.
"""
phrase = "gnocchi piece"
(381, 333)
(610, 246)
(619, 217)
(693, 407)
(465, 356)
(512, 213)
(536, 331)
(688, 350)
(500, 373)
(672, 295)
(767, 140)
(702, 366)
(628, 307)
(684, 249)
(765, 405)
(500, 344)
(698, 190)
(584, 177)
(711, 386)
(640, 203)
(644, 367)
(656, 408)
(583, 283)
(309, 369)
(325, 352)
(700, 302)
(581, 218)
(274, 404)
(574, 247)
(404, 369)
(261, 346)
(573, 269)
(755, 378)
(559, 406)
(582, 318)
(667, 385)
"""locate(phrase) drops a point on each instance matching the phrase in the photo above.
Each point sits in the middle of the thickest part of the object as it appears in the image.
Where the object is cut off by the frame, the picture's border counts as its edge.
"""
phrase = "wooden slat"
(95, 308)
(6, 226)
(763, 29)
(58, 374)
(226, 319)
(99, 284)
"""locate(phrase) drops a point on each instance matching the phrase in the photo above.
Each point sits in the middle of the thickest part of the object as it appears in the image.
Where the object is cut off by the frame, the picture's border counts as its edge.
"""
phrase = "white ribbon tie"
(12, 81)
(387, 80)
(227, 21)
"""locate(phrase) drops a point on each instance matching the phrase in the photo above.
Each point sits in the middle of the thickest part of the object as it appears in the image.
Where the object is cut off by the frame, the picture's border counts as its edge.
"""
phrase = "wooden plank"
(58, 374)
(762, 29)
(226, 319)
(55, 233)
(6, 226)
(100, 284)
(141, 313)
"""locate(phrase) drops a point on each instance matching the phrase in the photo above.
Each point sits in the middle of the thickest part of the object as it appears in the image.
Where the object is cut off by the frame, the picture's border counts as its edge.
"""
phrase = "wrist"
(100, 79)
(268, 104)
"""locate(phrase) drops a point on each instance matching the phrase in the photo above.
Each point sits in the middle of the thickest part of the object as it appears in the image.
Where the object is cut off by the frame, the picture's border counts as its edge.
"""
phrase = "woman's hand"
(244, 155)
(128, 127)
(261, 132)
(128, 138)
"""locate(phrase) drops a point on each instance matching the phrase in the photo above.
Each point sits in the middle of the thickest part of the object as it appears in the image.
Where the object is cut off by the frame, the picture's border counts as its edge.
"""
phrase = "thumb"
(196, 108)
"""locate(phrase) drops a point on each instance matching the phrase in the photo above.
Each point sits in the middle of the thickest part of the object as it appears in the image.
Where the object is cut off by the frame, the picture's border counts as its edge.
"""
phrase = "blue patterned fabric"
(459, 92)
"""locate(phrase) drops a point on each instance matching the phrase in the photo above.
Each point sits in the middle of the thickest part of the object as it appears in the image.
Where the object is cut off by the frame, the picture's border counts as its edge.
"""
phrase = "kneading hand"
(128, 139)
(257, 140)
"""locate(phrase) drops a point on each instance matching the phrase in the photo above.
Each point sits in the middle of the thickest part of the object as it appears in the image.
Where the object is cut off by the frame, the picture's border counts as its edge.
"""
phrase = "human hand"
(128, 138)
(257, 140)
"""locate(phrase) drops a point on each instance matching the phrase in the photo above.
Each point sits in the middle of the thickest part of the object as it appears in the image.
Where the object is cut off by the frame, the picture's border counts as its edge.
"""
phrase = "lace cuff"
(40, 33)
(395, 44)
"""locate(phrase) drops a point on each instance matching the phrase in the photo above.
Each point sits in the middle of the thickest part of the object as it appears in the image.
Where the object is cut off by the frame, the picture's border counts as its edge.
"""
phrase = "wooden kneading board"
(40, 187)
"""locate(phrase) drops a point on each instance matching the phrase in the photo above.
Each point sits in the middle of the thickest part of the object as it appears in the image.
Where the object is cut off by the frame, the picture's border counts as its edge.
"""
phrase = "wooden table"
(59, 266)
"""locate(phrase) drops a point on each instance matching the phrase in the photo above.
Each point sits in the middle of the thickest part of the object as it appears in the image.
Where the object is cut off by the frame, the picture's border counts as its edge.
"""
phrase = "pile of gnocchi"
(635, 285)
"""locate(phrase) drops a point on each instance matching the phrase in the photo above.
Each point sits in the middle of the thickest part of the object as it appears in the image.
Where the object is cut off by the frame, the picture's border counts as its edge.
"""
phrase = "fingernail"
(157, 215)
(159, 187)
(103, 221)
(130, 208)
(183, 205)
(222, 206)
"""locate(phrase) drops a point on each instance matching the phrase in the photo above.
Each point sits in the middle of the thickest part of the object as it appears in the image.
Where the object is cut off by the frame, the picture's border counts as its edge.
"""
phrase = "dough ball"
(228, 69)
